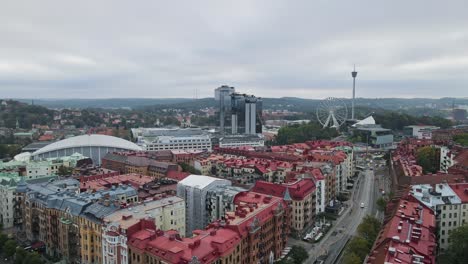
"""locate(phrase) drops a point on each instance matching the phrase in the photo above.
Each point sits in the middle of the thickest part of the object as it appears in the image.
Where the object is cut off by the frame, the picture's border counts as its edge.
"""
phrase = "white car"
(362, 205)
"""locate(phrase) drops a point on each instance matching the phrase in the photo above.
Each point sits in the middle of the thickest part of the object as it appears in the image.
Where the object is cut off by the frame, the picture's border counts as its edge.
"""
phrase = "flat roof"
(199, 181)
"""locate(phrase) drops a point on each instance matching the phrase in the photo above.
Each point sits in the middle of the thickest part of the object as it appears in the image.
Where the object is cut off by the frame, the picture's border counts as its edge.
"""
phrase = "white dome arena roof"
(92, 140)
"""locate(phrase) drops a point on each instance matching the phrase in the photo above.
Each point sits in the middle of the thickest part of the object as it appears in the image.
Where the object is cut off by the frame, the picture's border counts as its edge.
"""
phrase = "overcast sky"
(108, 49)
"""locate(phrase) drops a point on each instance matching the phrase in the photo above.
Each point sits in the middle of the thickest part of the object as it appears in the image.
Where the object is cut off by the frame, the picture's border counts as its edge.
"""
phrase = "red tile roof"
(208, 245)
(461, 189)
(407, 236)
(102, 183)
(298, 189)
(251, 206)
(177, 175)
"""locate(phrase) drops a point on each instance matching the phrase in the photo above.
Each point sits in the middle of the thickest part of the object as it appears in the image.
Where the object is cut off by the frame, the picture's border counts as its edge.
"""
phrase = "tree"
(359, 247)
(64, 171)
(461, 139)
(352, 258)
(304, 132)
(10, 248)
(3, 240)
(33, 258)
(285, 261)
(381, 204)
(369, 229)
(458, 249)
(188, 168)
(20, 255)
(427, 158)
(298, 254)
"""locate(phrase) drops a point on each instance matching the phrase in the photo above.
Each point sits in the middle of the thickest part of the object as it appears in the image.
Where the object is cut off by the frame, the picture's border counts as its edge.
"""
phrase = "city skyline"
(270, 49)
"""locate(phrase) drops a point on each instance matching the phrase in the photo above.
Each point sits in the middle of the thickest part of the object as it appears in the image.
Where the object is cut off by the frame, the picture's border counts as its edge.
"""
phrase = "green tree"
(427, 158)
(285, 261)
(9, 248)
(357, 246)
(381, 204)
(188, 168)
(298, 254)
(33, 258)
(461, 139)
(369, 229)
(352, 258)
(3, 240)
(20, 255)
(304, 132)
(458, 249)
(64, 171)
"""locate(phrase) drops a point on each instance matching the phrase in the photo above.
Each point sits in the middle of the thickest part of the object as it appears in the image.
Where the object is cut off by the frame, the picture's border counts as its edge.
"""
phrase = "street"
(367, 190)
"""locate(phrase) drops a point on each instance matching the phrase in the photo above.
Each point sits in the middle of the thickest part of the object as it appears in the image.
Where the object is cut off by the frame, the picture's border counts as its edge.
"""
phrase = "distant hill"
(104, 103)
(24, 114)
(290, 103)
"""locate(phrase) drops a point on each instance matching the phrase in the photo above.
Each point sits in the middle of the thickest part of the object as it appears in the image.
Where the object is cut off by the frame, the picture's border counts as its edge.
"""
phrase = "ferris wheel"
(332, 112)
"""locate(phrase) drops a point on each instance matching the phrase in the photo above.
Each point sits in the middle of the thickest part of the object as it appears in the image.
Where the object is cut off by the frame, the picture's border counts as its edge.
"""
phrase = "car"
(362, 205)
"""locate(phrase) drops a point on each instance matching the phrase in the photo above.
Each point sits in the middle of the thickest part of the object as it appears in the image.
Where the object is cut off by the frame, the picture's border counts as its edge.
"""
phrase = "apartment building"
(166, 214)
(193, 189)
(302, 197)
(408, 236)
(256, 232)
(449, 203)
(139, 164)
(220, 200)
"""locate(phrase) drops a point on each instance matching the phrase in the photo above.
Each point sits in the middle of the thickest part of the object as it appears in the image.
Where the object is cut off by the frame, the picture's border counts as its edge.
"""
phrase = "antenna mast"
(353, 74)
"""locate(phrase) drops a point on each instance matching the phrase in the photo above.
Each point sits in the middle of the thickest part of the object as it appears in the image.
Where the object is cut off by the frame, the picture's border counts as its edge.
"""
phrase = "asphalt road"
(346, 225)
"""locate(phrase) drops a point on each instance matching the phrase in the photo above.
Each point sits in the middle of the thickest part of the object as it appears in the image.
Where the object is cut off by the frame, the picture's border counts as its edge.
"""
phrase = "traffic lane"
(326, 244)
(353, 220)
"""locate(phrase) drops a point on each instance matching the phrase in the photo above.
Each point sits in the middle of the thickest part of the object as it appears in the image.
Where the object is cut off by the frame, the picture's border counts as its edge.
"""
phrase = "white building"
(168, 214)
(152, 139)
(449, 203)
(420, 132)
(446, 159)
(230, 141)
(193, 190)
(201, 142)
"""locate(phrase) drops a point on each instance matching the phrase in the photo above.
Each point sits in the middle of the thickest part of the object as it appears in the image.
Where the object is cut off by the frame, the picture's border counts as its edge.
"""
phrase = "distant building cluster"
(238, 113)
(405, 157)
(427, 207)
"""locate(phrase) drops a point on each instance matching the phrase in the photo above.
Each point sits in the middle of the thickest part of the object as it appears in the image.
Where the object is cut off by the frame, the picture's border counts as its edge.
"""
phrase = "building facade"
(166, 214)
(194, 190)
(302, 197)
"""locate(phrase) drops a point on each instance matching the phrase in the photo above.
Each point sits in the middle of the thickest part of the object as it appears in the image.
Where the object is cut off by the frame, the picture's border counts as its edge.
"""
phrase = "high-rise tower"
(223, 95)
(354, 74)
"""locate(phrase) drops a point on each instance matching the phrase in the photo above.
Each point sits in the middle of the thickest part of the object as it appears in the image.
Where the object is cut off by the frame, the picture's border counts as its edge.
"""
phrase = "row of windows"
(454, 215)
(454, 207)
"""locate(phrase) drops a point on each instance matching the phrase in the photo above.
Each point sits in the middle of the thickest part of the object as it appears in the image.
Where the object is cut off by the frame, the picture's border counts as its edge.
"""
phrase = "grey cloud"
(270, 48)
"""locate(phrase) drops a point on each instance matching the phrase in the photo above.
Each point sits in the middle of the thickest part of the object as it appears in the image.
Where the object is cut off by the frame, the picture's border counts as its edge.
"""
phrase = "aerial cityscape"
(253, 132)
